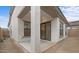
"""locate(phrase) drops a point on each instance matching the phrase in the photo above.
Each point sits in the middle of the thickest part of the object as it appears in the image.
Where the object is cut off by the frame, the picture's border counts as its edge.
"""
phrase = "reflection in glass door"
(43, 31)
(46, 31)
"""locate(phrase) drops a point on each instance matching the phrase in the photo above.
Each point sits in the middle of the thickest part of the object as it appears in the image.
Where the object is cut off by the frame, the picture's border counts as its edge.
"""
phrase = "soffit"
(52, 11)
(49, 10)
(24, 12)
(44, 17)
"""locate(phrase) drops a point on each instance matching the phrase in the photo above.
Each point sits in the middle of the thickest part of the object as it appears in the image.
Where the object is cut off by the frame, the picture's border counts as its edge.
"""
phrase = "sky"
(70, 12)
(4, 16)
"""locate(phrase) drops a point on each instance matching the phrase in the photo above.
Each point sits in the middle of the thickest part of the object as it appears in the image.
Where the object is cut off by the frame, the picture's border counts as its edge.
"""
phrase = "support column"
(35, 29)
(55, 30)
(64, 30)
(20, 29)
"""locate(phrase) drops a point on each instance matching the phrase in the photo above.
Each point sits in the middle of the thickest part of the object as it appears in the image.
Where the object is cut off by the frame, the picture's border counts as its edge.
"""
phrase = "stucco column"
(55, 30)
(20, 29)
(35, 28)
(64, 30)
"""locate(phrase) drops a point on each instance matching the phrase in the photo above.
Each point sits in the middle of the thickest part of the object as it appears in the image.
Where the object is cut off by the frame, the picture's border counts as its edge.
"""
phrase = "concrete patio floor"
(69, 45)
(44, 45)
(9, 46)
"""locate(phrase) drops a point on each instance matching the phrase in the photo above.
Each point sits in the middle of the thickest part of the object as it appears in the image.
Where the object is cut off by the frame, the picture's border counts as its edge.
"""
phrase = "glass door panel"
(48, 31)
(43, 31)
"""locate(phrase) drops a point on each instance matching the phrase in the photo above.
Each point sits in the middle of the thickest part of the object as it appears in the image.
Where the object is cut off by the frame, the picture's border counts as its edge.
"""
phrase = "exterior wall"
(21, 36)
(55, 30)
(64, 29)
(20, 29)
(14, 25)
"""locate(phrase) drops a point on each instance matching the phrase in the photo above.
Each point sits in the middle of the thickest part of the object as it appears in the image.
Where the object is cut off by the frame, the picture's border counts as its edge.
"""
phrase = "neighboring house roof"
(74, 23)
(49, 9)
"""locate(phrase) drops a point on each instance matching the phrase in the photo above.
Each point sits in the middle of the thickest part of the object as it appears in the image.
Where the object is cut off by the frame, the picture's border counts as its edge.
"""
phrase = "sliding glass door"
(46, 31)
(43, 31)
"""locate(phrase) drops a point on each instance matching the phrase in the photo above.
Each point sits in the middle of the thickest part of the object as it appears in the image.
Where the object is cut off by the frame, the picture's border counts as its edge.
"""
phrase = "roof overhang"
(53, 11)
(60, 15)
(24, 11)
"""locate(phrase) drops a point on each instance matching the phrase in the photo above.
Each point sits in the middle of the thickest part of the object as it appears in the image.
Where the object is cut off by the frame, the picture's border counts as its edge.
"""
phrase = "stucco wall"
(55, 30)
(15, 22)
(20, 29)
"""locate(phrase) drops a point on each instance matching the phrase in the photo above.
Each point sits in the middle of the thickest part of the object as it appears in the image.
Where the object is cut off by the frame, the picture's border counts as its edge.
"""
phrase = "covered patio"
(32, 18)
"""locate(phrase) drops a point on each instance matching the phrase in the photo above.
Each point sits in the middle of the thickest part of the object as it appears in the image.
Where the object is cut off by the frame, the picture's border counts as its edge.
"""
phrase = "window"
(65, 29)
(43, 31)
(27, 28)
(61, 29)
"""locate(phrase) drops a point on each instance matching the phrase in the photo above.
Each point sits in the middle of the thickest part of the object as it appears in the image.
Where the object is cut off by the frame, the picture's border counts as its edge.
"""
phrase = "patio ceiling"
(49, 10)
(24, 12)
(46, 11)
(44, 17)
